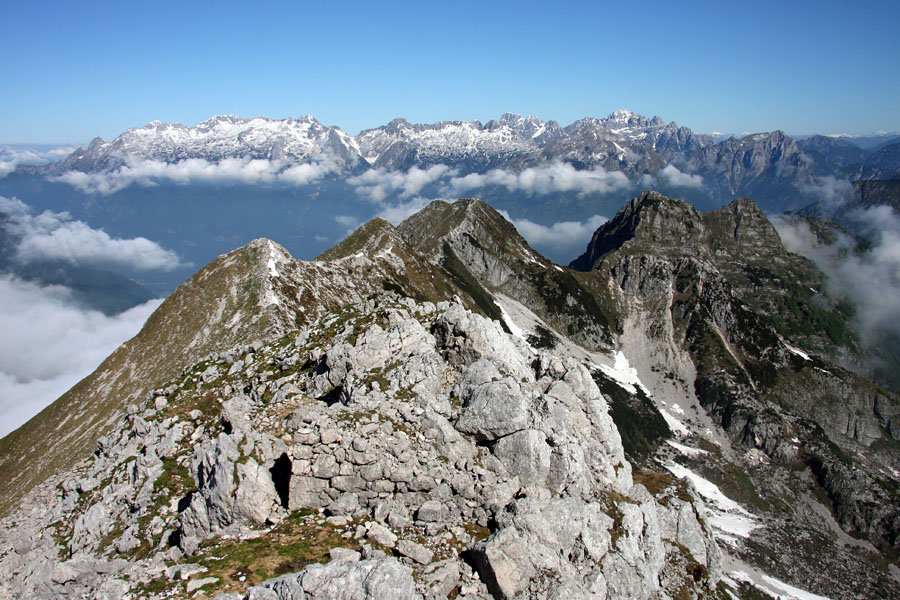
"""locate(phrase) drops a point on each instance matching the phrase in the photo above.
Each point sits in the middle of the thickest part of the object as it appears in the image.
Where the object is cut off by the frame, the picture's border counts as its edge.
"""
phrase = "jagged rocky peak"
(378, 412)
(466, 219)
(655, 224)
(484, 254)
(255, 293)
(743, 228)
(303, 139)
(650, 222)
(369, 239)
(230, 301)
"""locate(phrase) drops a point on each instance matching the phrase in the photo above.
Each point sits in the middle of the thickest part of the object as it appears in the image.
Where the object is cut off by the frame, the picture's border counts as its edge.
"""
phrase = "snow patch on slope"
(776, 588)
(674, 424)
(729, 519)
(796, 351)
(624, 374)
(686, 450)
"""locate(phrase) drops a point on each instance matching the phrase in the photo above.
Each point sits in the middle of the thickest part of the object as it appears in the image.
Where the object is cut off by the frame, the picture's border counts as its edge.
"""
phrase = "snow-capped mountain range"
(290, 140)
(772, 167)
(399, 144)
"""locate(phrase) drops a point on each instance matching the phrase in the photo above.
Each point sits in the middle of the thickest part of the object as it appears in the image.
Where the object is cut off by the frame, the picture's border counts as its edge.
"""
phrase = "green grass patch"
(300, 540)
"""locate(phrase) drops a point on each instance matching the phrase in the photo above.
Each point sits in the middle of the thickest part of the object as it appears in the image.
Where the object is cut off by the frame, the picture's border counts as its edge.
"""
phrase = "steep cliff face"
(757, 165)
(713, 295)
(740, 244)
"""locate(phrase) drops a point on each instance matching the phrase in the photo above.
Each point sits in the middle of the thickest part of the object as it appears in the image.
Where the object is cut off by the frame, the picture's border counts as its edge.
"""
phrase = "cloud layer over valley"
(13, 156)
(871, 279)
(57, 236)
(547, 178)
(197, 170)
(48, 345)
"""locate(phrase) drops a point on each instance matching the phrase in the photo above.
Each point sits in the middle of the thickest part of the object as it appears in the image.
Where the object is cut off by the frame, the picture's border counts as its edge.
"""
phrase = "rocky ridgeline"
(390, 449)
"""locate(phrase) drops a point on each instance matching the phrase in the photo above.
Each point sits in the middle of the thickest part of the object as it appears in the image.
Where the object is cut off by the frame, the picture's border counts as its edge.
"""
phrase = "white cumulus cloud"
(831, 191)
(197, 170)
(871, 280)
(48, 345)
(560, 235)
(57, 236)
(349, 223)
(674, 177)
(13, 156)
(378, 184)
(397, 212)
(548, 178)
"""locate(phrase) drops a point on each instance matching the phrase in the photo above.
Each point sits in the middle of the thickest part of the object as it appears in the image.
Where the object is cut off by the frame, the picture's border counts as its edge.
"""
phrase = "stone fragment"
(431, 511)
(196, 584)
(255, 495)
(331, 436)
(348, 483)
(370, 579)
(503, 562)
(441, 577)
(381, 534)
(346, 504)
(63, 573)
(371, 472)
(527, 455)
(344, 554)
(325, 466)
(493, 410)
(415, 551)
(305, 492)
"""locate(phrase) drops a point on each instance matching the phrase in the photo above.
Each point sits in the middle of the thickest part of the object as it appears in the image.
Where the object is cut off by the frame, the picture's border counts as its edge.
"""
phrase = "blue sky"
(72, 71)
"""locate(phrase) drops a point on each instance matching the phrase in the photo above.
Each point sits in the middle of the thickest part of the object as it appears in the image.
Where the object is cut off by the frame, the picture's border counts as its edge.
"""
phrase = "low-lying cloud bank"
(396, 194)
(672, 176)
(562, 235)
(832, 192)
(548, 178)
(48, 345)
(13, 156)
(378, 184)
(871, 280)
(197, 170)
(57, 236)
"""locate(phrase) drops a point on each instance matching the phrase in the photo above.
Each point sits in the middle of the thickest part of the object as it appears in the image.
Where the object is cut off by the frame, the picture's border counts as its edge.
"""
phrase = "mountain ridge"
(623, 141)
(266, 386)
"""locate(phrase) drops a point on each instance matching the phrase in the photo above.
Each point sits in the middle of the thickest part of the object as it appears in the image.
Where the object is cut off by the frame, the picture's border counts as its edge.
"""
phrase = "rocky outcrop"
(420, 430)
(372, 439)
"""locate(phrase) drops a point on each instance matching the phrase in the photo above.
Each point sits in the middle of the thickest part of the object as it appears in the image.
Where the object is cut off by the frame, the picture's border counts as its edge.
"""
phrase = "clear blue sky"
(75, 70)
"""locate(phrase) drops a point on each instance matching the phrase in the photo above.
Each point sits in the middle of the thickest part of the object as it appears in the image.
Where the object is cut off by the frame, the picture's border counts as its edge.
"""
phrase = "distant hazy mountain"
(309, 174)
(873, 141)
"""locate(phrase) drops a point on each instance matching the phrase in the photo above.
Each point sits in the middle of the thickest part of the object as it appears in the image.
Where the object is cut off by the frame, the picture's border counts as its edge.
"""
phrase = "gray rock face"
(474, 428)
(526, 455)
(342, 580)
(494, 409)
